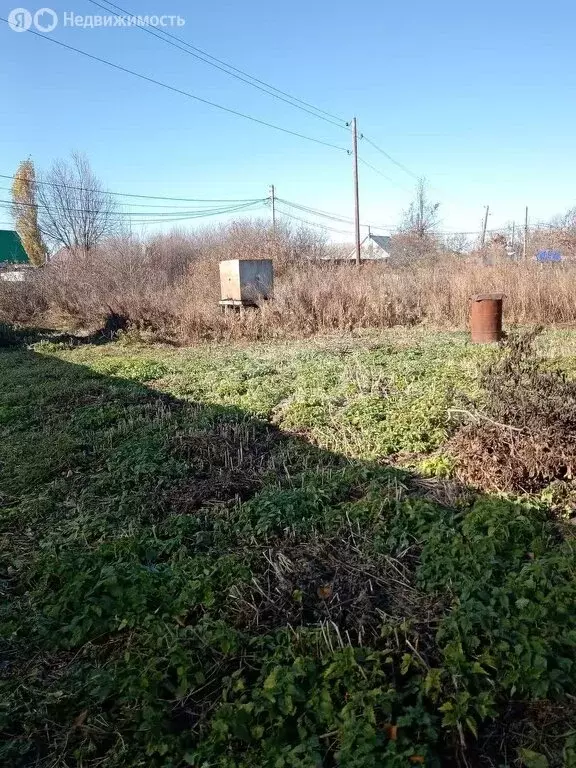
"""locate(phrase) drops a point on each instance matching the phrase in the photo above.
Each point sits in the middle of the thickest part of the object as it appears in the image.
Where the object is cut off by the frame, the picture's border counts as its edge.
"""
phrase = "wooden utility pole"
(525, 248)
(485, 227)
(356, 193)
(273, 199)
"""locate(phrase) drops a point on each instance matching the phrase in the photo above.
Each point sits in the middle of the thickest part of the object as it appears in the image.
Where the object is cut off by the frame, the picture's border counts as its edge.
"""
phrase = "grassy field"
(259, 556)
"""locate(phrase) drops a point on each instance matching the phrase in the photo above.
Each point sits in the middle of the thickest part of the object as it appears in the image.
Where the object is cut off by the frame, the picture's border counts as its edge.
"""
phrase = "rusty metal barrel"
(486, 318)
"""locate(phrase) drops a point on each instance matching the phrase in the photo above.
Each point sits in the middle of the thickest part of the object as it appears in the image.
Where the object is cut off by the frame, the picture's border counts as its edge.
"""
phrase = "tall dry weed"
(169, 285)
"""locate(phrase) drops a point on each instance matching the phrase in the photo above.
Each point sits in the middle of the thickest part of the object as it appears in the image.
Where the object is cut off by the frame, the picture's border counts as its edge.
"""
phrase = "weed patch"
(225, 570)
(523, 438)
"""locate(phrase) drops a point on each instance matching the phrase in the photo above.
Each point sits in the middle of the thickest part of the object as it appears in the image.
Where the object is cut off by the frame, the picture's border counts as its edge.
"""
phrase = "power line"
(181, 92)
(314, 224)
(317, 211)
(175, 209)
(226, 68)
(240, 209)
(331, 216)
(251, 205)
(142, 214)
(391, 229)
(242, 72)
(207, 211)
(379, 172)
(129, 194)
(128, 215)
(391, 159)
(238, 205)
(171, 208)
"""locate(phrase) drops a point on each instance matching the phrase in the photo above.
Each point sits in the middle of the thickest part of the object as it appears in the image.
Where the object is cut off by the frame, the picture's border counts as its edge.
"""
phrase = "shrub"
(524, 436)
(23, 302)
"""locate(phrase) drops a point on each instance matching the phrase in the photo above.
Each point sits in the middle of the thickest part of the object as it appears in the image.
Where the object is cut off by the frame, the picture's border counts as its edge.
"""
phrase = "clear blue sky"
(479, 98)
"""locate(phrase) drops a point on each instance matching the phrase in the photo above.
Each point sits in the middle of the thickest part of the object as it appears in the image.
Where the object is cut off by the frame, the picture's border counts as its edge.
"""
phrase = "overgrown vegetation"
(523, 437)
(208, 559)
(167, 287)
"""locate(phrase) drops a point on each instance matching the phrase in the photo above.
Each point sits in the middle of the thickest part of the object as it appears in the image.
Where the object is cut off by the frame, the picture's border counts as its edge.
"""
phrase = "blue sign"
(547, 256)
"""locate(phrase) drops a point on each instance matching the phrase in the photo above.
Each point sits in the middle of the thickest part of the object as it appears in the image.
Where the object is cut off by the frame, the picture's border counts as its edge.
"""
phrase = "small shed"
(14, 264)
(11, 249)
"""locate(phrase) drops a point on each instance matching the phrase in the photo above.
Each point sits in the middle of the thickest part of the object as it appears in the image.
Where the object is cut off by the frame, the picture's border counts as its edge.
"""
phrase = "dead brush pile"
(524, 437)
(329, 582)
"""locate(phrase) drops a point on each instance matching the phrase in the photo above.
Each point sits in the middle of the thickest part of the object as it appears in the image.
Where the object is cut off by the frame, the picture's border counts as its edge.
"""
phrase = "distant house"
(13, 258)
(374, 248)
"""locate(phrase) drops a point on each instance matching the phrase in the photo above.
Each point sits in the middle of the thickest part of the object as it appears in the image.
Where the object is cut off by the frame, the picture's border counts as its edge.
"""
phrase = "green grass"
(207, 559)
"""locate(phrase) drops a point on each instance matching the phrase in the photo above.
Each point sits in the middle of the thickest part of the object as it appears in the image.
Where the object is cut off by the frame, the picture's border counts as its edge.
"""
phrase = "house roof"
(11, 248)
(383, 242)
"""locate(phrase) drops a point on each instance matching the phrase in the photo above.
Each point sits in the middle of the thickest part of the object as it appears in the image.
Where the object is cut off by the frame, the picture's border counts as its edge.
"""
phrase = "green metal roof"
(11, 248)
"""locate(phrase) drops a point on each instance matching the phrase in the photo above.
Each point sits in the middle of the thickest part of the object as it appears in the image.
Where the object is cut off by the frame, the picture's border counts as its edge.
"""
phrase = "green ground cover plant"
(262, 556)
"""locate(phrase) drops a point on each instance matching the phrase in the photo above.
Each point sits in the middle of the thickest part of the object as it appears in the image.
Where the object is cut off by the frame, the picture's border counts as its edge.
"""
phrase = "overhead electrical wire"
(389, 228)
(204, 56)
(391, 159)
(331, 216)
(181, 219)
(185, 214)
(214, 212)
(313, 223)
(212, 61)
(128, 215)
(243, 76)
(170, 208)
(239, 74)
(185, 210)
(282, 95)
(394, 161)
(379, 172)
(240, 71)
(317, 212)
(135, 213)
(131, 194)
(142, 214)
(255, 204)
(182, 92)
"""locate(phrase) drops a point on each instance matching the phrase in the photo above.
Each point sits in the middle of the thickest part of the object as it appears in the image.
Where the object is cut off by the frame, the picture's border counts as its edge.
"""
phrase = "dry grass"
(523, 438)
(168, 288)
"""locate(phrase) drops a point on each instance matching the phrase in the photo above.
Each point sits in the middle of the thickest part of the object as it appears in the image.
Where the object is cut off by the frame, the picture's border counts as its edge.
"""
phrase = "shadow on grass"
(12, 337)
(186, 584)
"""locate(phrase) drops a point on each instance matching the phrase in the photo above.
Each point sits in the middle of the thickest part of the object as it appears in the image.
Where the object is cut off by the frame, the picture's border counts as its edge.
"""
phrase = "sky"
(477, 98)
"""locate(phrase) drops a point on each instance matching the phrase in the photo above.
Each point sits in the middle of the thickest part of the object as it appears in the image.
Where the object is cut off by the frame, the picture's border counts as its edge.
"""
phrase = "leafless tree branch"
(74, 210)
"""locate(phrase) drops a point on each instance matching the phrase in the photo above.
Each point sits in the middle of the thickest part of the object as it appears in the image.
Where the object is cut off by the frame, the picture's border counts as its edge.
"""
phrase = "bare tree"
(456, 242)
(74, 211)
(421, 218)
(566, 221)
